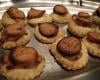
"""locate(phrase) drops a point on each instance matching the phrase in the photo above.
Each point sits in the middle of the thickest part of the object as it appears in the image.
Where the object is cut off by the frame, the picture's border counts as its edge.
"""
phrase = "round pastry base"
(23, 74)
(69, 64)
(20, 42)
(93, 48)
(78, 30)
(43, 39)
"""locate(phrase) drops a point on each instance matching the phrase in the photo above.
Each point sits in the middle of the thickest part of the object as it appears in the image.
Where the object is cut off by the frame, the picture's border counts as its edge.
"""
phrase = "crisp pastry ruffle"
(68, 64)
(44, 18)
(7, 20)
(60, 34)
(22, 41)
(23, 74)
(77, 30)
(61, 19)
(93, 48)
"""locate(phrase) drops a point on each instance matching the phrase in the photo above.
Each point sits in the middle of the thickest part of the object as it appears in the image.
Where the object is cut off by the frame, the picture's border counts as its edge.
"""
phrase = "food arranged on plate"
(48, 32)
(92, 42)
(70, 51)
(13, 15)
(81, 24)
(38, 16)
(22, 63)
(14, 35)
(60, 14)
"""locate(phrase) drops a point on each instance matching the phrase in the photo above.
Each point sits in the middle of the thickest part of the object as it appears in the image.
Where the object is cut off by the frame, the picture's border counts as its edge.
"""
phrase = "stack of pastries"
(69, 50)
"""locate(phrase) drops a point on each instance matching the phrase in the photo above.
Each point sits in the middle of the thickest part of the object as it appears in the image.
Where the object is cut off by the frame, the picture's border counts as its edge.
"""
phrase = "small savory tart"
(92, 42)
(35, 16)
(96, 16)
(14, 35)
(48, 32)
(13, 15)
(60, 14)
(70, 53)
(81, 24)
(22, 63)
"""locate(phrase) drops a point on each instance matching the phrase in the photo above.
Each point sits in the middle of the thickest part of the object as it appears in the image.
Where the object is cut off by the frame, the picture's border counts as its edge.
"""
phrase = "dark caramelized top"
(83, 19)
(48, 29)
(14, 13)
(22, 57)
(13, 31)
(34, 13)
(94, 37)
(69, 46)
(60, 9)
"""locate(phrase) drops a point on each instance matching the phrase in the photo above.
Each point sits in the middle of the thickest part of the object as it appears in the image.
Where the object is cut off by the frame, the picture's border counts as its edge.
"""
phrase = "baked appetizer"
(13, 15)
(92, 42)
(14, 35)
(81, 24)
(38, 16)
(60, 14)
(22, 63)
(48, 32)
(70, 53)
(96, 16)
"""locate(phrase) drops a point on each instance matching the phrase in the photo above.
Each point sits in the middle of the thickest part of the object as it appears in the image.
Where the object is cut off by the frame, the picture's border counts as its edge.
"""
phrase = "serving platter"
(52, 70)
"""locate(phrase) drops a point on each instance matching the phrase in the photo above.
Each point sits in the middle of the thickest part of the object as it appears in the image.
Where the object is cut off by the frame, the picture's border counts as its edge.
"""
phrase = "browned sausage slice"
(48, 29)
(14, 13)
(34, 13)
(69, 46)
(24, 56)
(94, 37)
(60, 9)
(14, 29)
(83, 14)
(84, 19)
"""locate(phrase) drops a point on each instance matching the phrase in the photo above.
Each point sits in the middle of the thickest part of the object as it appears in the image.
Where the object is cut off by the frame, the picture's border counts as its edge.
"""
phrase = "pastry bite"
(14, 35)
(92, 42)
(96, 16)
(70, 53)
(36, 16)
(13, 15)
(81, 24)
(60, 14)
(22, 63)
(48, 32)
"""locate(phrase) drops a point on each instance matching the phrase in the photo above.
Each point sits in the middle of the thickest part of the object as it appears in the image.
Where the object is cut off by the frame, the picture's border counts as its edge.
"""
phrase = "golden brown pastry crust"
(66, 63)
(23, 74)
(7, 20)
(61, 19)
(44, 18)
(78, 30)
(93, 48)
(22, 41)
(43, 39)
